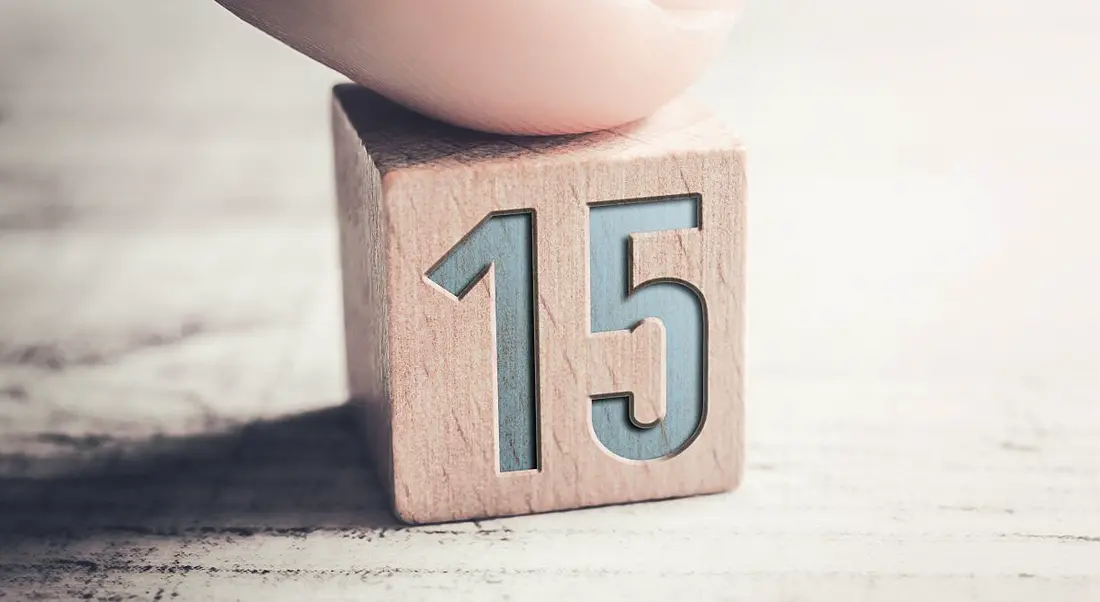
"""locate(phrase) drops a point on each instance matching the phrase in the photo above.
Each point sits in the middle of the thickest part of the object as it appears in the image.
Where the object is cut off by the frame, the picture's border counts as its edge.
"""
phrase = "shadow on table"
(293, 475)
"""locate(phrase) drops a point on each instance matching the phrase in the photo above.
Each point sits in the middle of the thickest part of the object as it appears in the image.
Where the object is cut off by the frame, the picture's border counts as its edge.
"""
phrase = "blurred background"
(924, 300)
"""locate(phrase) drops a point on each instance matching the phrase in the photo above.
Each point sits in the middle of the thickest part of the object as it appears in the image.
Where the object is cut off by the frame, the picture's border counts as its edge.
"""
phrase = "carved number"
(616, 307)
(504, 241)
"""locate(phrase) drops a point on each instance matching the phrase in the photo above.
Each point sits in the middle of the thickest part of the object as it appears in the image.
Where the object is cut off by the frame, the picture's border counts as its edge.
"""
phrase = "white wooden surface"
(924, 372)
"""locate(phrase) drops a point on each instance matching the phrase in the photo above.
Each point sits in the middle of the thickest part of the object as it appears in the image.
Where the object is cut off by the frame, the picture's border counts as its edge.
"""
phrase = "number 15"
(505, 241)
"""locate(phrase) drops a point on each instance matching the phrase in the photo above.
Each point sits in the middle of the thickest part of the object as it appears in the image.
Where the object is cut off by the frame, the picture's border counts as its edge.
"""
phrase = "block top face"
(399, 139)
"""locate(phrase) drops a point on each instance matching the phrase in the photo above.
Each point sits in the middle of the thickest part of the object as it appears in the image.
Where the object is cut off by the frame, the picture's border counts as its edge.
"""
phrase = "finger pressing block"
(508, 66)
(537, 324)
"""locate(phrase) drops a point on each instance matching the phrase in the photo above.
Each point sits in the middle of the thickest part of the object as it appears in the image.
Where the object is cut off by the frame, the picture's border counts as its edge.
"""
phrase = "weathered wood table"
(924, 372)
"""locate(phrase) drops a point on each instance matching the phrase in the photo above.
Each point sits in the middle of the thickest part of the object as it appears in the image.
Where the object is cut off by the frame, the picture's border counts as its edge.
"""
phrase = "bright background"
(924, 319)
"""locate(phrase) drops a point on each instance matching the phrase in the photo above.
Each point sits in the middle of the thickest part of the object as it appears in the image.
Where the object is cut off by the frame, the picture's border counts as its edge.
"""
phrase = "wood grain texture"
(922, 389)
(430, 185)
(634, 361)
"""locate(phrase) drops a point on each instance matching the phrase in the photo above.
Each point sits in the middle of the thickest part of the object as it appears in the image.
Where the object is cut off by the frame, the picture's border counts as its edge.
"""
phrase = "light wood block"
(538, 324)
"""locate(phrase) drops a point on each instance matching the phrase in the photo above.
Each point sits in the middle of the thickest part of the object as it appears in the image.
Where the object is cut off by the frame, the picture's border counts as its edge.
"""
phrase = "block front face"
(564, 321)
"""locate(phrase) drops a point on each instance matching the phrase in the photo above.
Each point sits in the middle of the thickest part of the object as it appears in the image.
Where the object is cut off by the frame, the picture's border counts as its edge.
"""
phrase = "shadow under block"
(537, 324)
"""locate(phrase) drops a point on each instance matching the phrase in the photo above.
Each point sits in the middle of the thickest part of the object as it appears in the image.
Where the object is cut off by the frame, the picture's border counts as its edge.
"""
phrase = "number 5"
(678, 306)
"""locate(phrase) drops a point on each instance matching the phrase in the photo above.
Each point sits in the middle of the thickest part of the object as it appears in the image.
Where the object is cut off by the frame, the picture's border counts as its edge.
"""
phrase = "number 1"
(504, 241)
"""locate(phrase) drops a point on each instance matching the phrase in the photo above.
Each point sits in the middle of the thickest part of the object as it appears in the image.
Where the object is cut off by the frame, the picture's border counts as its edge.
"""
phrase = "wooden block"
(538, 324)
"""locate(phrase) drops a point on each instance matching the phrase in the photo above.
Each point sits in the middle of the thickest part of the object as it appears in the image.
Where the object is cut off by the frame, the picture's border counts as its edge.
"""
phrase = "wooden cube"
(542, 323)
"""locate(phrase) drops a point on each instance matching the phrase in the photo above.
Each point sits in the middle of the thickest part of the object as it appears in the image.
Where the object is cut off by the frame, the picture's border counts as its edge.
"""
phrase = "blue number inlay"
(504, 241)
(615, 307)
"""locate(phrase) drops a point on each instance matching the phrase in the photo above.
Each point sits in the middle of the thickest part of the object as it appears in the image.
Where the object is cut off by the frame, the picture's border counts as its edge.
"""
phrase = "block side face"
(358, 186)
